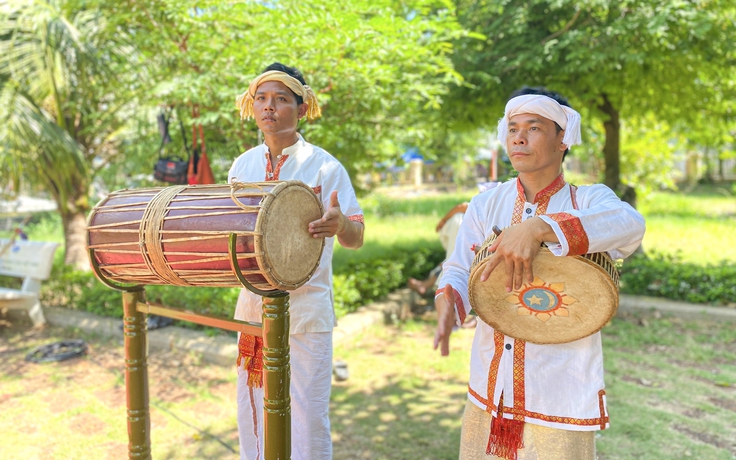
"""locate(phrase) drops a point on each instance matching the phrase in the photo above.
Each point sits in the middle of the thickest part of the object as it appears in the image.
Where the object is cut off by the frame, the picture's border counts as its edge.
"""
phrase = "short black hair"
(291, 71)
(542, 91)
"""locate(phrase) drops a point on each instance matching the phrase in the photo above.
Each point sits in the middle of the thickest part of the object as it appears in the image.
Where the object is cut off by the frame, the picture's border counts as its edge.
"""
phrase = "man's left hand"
(332, 223)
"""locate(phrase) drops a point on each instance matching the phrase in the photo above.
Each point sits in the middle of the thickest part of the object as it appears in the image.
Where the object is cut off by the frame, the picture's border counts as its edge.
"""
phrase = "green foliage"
(379, 67)
(211, 301)
(76, 289)
(665, 275)
(366, 281)
(656, 64)
(67, 86)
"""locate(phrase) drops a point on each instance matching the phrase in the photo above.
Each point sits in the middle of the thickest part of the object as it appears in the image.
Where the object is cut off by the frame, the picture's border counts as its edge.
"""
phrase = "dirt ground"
(76, 408)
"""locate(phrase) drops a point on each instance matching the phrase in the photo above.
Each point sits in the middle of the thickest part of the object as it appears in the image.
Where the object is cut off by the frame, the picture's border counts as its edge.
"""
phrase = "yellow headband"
(244, 102)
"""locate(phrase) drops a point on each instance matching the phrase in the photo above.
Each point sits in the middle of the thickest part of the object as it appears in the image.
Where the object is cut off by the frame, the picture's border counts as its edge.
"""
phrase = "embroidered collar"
(273, 174)
(292, 149)
(545, 194)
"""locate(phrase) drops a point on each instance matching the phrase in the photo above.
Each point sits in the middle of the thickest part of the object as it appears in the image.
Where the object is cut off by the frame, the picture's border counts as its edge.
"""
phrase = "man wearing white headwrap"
(278, 99)
(530, 401)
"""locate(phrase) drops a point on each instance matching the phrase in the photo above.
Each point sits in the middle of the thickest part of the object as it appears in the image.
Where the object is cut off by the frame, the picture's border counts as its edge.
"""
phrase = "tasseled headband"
(567, 118)
(244, 102)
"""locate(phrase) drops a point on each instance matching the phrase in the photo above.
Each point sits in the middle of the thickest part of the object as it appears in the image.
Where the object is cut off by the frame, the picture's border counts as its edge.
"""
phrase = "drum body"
(181, 235)
(570, 298)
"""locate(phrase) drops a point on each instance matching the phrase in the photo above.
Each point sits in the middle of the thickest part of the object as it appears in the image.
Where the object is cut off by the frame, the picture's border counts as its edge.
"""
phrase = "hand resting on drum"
(335, 223)
(517, 246)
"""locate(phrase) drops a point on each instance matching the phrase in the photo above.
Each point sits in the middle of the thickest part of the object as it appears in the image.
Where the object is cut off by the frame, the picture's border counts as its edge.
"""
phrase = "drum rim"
(259, 238)
(612, 284)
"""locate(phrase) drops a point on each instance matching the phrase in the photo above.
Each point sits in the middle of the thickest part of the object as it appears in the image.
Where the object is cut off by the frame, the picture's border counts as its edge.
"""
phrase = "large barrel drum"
(181, 235)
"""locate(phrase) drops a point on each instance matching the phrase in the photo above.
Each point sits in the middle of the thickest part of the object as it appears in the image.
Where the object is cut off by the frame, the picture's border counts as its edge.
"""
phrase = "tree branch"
(564, 29)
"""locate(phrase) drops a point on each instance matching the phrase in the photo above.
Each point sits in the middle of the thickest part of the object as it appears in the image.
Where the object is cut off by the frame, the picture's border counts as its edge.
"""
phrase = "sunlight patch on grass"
(698, 240)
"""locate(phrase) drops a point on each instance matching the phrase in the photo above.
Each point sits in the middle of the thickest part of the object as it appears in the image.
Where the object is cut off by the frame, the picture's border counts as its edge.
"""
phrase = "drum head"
(290, 253)
(570, 298)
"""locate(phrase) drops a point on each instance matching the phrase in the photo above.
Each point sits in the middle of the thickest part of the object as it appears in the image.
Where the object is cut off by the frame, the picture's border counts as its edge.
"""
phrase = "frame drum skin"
(570, 298)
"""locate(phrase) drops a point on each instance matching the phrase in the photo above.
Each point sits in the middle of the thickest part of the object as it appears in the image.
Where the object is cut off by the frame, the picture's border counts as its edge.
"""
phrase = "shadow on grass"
(404, 419)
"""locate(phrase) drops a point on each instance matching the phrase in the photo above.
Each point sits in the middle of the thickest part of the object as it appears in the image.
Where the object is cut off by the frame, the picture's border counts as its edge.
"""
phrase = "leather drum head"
(570, 298)
(290, 253)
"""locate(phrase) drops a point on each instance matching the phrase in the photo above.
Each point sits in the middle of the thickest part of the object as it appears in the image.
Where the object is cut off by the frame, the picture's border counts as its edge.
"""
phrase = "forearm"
(543, 231)
(350, 234)
(602, 224)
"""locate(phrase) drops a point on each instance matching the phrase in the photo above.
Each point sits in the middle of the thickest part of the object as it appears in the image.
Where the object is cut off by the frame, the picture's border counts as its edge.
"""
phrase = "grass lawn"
(671, 392)
(698, 225)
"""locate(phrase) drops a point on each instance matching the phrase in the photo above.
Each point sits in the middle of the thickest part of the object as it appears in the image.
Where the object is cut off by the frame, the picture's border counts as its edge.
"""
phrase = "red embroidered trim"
(271, 174)
(357, 218)
(574, 232)
(551, 189)
(459, 307)
(519, 383)
(547, 418)
(542, 198)
(493, 369)
(518, 204)
(317, 190)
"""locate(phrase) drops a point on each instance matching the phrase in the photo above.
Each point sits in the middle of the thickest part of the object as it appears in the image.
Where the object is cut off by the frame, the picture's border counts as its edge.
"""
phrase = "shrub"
(663, 275)
(362, 282)
(357, 284)
(80, 290)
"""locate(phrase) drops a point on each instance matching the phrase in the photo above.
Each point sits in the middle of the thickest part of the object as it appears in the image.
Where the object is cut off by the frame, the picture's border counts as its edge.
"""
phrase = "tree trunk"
(611, 153)
(611, 147)
(75, 237)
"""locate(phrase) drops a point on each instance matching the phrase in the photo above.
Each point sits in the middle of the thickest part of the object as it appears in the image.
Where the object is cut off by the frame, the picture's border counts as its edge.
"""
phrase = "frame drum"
(570, 298)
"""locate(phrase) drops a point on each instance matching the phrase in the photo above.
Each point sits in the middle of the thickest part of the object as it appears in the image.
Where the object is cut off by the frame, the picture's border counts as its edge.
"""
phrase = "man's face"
(276, 110)
(533, 144)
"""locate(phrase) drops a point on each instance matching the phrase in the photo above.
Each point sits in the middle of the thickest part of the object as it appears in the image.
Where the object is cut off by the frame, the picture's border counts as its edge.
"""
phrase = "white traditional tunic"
(311, 311)
(311, 308)
(561, 385)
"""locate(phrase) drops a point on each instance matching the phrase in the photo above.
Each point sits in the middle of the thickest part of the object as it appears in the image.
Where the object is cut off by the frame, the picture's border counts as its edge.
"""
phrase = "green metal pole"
(136, 376)
(276, 378)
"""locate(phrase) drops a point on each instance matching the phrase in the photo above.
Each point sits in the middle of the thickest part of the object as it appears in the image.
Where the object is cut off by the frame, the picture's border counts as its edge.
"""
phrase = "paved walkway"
(222, 350)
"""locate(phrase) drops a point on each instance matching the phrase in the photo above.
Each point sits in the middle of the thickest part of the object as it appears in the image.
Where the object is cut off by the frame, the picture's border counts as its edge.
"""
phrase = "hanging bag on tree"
(171, 169)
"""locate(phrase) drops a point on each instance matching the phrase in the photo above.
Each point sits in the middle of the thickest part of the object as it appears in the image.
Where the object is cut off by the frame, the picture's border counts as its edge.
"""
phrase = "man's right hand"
(445, 306)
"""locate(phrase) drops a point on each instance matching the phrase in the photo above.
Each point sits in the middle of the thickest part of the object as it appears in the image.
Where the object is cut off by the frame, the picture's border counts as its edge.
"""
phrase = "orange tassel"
(250, 357)
(507, 436)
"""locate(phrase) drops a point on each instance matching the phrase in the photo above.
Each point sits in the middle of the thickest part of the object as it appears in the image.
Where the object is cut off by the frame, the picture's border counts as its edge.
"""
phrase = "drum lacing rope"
(152, 223)
(235, 186)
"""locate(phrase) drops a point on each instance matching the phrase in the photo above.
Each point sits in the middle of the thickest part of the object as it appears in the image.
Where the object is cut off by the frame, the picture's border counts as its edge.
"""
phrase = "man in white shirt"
(278, 99)
(530, 401)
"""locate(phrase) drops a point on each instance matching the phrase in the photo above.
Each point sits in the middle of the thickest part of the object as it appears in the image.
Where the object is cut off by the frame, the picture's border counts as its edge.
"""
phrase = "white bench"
(32, 261)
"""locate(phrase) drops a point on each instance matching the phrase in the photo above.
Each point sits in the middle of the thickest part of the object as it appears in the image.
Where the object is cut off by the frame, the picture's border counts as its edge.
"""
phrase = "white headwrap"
(567, 118)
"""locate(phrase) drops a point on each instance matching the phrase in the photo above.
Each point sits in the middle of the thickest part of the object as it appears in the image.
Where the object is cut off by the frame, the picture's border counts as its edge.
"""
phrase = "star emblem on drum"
(542, 300)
